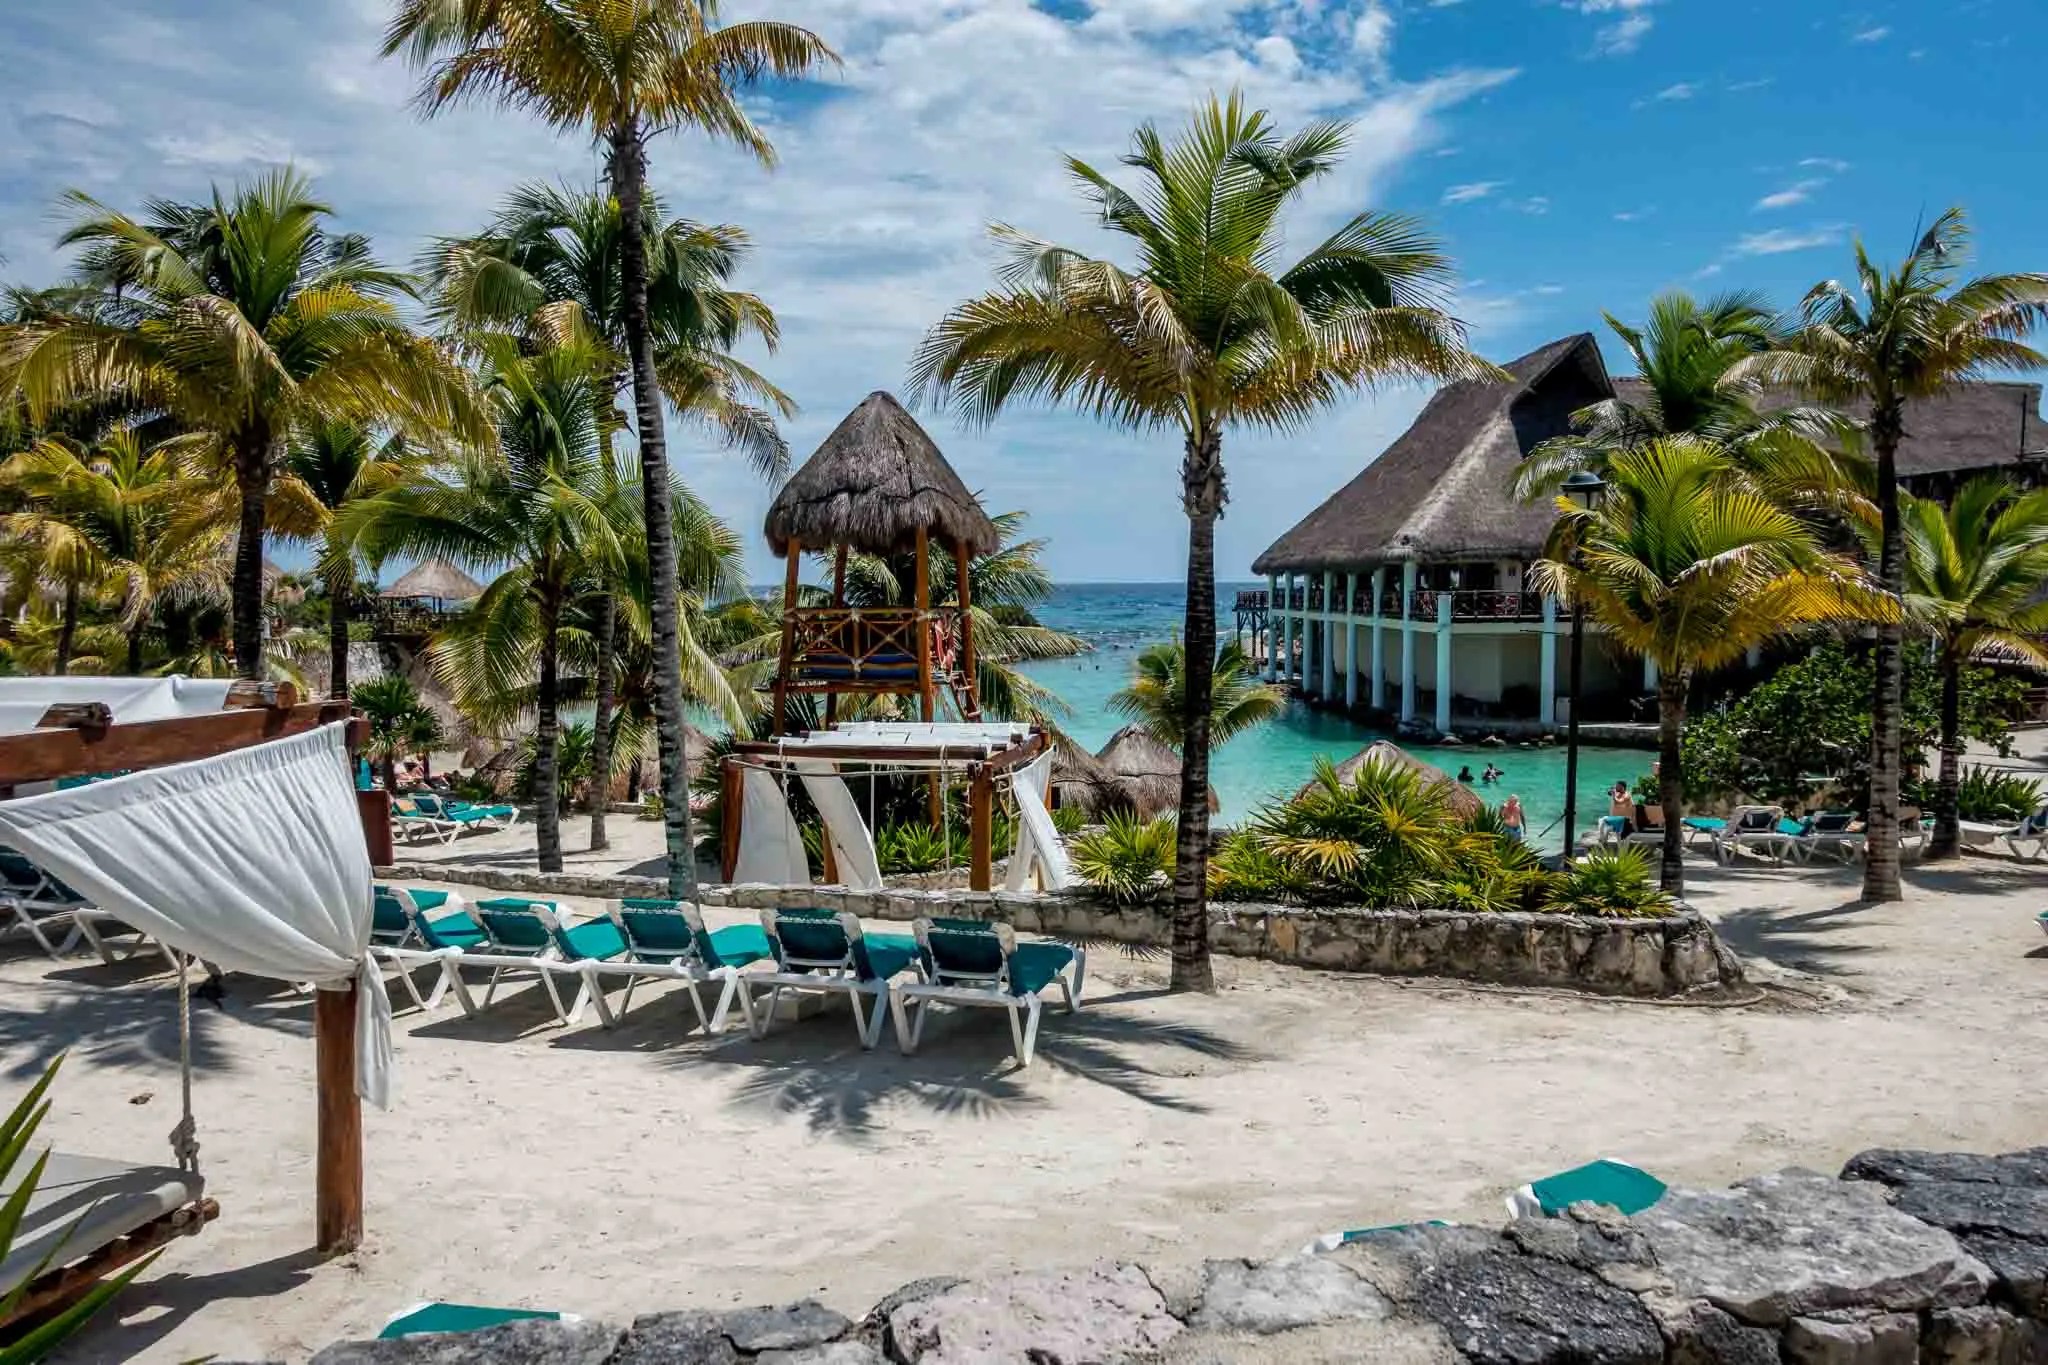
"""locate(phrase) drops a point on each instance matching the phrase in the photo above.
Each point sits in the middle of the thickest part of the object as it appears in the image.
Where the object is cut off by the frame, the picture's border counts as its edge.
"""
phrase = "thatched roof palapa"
(438, 579)
(1462, 799)
(877, 480)
(1145, 771)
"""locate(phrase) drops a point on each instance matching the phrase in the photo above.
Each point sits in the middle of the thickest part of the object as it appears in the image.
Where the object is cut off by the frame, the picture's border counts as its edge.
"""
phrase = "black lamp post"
(1585, 488)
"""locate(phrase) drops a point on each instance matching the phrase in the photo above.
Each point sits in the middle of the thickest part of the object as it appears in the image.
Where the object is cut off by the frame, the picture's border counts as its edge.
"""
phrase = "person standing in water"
(1513, 819)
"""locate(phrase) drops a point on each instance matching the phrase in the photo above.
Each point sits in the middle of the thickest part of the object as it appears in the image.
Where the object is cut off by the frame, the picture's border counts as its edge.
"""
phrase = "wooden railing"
(869, 649)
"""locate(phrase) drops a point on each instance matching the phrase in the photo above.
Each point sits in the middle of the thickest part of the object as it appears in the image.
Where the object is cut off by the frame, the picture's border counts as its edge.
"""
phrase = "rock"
(2008, 1210)
(1698, 1333)
(1894, 1166)
(1276, 1296)
(1975, 1336)
(763, 1329)
(676, 1339)
(2019, 1269)
(1103, 1313)
(1883, 1339)
(1180, 1285)
(1522, 1310)
(1344, 1343)
(1592, 1238)
(530, 1341)
(832, 1353)
(1798, 1244)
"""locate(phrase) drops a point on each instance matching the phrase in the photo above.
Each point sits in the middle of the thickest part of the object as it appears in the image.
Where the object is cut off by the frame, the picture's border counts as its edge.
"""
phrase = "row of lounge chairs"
(425, 815)
(883, 977)
(57, 919)
(1769, 832)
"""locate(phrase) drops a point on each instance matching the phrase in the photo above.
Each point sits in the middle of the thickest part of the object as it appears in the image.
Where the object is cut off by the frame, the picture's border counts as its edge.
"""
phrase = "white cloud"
(1477, 189)
(1631, 215)
(1621, 35)
(1372, 36)
(1797, 193)
(1548, 289)
(1833, 165)
(1779, 241)
(1536, 204)
(1871, 35)
(1684, 90)
(1755, 83)
(1277, 54)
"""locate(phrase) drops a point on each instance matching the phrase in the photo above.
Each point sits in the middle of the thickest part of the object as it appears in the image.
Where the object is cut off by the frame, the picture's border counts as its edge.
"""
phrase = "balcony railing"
(1467, 604)
(869, 649)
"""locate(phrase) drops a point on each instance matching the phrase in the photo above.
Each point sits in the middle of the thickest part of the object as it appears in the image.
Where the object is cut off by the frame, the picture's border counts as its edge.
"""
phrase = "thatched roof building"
(876, 480)
(1440, 491)
(1145, 772)
(435, 579)
(1462, 798)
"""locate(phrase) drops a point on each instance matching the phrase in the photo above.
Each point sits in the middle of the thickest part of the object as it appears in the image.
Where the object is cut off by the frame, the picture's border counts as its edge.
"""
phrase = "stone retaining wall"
(1911, 1257)
(1676, 954)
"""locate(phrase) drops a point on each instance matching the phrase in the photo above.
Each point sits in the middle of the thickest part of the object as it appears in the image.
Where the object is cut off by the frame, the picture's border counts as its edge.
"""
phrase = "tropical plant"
(1209, 331)
(1128, 860)
(623, 70)
(1244, 868)
(398, 721)
(1069, 820)
(1896, 337)
(547, 515)
(575, 763)
(1385, 837)
(1606, 881)
(239, 318)
(1157, 695)
(1689, 567)
(1974, 572)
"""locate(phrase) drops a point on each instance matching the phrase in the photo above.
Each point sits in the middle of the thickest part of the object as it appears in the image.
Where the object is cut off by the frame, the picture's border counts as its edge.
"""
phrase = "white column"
(1443, 662)
(1350, 641)
(1287, 652)
(1546, 713)
(1649, 674)
(1329, 634)
(1272, 626)
(1408, 640)
(1379, 666)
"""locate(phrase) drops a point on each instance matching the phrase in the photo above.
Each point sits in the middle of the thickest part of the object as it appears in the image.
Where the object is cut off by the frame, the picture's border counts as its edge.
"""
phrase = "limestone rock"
(1596, 1239)
(1894, 1166)
(1276, 1296)
(1104, 1313)
(785, 1328)
(676, 1339)
(1975, 1336)
(2019, 1269)
(832, 1353)
(1799, 1244)
(2009, 1210)
(1883, 1339)
(1698, 1333)
(530, 1341)
(1341, 1343)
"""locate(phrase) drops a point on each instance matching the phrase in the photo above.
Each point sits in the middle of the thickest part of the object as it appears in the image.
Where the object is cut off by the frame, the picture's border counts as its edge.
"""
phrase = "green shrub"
(1991, 794)
(1244, 869)
(1621, 882)
(1129, 860)
(1068, 820)
(910, 848)
(652, 807)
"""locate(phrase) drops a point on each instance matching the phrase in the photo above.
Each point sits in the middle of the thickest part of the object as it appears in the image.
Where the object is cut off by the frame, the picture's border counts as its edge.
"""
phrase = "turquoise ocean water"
(1119, 619)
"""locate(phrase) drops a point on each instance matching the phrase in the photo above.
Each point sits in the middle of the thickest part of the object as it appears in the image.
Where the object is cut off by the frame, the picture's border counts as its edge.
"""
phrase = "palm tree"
(398, 720)
(1210, 330)
(239, 317)
(553, 255)
(625, 70)
(1157, 694)
(1689, 566)
(329, 464)
(546, 514)
(1898, 336)
(1974, 569)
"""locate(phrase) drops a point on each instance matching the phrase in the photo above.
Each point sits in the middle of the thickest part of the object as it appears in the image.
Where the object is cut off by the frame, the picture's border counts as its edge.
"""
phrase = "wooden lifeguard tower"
(879, 485)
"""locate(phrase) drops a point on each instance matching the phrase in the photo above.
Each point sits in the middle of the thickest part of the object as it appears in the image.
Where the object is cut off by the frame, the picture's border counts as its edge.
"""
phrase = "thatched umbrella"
(1147, 772)
(435, 579)
(1462, 799)
(1080, 780)
(877, 480)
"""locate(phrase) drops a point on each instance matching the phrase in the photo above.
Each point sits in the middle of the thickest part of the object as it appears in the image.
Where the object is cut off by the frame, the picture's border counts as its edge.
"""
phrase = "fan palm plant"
(1210, 330)
(1896, 337)
(1157, 694)
(398, 719)
(1689, 566)
(624, 70)
(240, 317)
(1974, 570)
(546, 515)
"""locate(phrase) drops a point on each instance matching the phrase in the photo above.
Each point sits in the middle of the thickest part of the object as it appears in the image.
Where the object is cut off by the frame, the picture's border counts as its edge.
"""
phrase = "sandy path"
(609, 1173)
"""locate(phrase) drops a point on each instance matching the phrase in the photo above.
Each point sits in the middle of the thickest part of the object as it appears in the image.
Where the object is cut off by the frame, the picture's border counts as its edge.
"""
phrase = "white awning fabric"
(1038, 839)
(252, 860)
(771, 846)
(24, 700)
(853, 843)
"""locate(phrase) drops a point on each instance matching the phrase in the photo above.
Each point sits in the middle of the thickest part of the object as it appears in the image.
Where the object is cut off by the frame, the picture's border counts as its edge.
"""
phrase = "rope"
(185, 1137)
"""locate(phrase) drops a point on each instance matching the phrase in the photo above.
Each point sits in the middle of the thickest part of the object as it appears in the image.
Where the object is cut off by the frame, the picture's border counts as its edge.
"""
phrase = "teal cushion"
(512, 926)
(1599, 1182)
(1034, 965)
(451, 931)
(1704, 822)
(456, 1317)
(1794, 828)
(737, 945)
(880, 956)
(594, 941)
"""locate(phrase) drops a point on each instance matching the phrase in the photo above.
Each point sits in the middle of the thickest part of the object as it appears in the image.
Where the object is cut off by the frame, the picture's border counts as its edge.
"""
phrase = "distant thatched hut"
(434, 580)
(1462, 798)
(1145, 771)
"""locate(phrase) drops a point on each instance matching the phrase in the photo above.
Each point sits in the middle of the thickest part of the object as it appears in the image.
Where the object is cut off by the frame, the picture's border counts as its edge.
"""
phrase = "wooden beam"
(925, 694)
(839, 604)
(338, 1160)
(981, 800)
(874, 753)
(788, 664)
(59, 1289)
(729, 815)
(48, 755)
(965, 595)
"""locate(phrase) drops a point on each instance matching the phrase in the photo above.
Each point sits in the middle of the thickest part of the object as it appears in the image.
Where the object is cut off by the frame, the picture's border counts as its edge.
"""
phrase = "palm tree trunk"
(135, 648)
(337, 638)
(627, 168)
(1671, 689)
(67, 630)
(252, 481)
(601, 726)
(1881, 866)
(546, 737)
(1947, 839)
(1202, 496)
(390, 773)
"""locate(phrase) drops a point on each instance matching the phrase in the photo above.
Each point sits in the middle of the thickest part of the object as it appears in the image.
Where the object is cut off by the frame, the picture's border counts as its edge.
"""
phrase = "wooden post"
(924, 628)
(782, 670)
(832, 698)
(729, 825)
(338, 1162)
(981, 800)
(972, 699)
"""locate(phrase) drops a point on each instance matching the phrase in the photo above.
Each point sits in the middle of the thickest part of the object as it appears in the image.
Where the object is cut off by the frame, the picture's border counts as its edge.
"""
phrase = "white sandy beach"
(610, 1173)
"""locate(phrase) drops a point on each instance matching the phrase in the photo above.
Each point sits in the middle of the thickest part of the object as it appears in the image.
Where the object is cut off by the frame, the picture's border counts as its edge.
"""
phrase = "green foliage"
(475, 787)
(1386, 837)
(1129, 860)
(575, 754)
(911, 848)
(1068, 820)
(1607, 881)
(400, 723)
(1987, 794)
(1157, 695)
(1014, 614)
(652, 807)
(1243, 868)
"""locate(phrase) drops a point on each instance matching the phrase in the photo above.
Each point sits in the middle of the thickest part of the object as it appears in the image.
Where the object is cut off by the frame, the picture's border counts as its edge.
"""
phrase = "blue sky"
(1574, 154)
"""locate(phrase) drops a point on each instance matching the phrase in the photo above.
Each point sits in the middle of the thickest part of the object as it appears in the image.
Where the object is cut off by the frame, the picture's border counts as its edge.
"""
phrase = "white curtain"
(771, 846)
(252, 860)
(1038, 840)
(24, 700)
(853, 844)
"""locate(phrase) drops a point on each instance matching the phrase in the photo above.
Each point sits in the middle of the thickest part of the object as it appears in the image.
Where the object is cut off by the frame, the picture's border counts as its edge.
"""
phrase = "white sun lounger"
(667, 941)
(967, 962)
(521, 935)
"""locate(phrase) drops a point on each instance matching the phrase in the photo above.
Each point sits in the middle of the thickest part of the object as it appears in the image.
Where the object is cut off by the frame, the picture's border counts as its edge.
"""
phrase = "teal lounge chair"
(667, 939)
(410, 927)
(1834, 831)
(969, 962)
(522, 935)
(818, 952)
(1606, 1181)
(424, 1318)
(463, 814)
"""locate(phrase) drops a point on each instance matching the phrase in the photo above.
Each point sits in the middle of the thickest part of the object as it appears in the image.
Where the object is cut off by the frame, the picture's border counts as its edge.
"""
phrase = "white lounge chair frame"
(687, 967)
(546, 963)
(910, 1002)
(2034, 830)
(412, 951)
(820, 976)
(1733, 838)
(1846, 844)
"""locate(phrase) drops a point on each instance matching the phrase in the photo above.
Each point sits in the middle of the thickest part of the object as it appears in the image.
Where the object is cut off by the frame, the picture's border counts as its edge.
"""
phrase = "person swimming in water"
(1465, 774)
(1492, 774)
